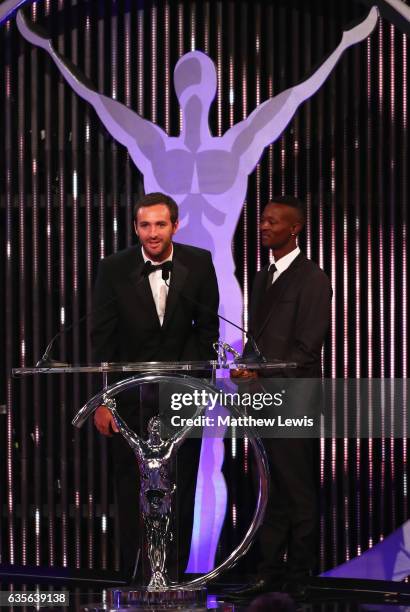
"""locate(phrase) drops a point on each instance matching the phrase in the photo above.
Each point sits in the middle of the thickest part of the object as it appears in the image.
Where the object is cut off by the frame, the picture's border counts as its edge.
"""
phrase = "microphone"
(46, 361)
(165, 267)
(252, 356)
(166, 270)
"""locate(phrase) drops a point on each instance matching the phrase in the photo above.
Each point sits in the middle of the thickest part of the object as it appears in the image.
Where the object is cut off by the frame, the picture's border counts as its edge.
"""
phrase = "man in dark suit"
(289, 318)
(140, 316)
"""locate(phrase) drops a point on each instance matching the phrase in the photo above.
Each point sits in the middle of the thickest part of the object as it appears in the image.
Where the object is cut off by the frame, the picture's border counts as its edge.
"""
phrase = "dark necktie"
(271, 272)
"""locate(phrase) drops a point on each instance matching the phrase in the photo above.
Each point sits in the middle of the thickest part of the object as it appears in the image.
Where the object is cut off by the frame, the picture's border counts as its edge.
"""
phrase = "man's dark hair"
(293, 202)
(150, 199)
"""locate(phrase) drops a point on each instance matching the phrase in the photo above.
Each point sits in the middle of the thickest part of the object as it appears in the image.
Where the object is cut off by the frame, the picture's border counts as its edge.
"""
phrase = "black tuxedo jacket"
(125, 324)
(289, 320)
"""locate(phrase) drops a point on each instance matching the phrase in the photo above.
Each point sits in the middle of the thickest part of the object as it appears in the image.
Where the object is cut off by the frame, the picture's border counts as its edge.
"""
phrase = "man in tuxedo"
(289, 318)
(140, 315)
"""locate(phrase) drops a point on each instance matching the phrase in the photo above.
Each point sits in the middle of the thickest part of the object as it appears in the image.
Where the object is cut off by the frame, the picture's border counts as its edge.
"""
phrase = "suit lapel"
(268, 299)
(178, 278)
(142, 291)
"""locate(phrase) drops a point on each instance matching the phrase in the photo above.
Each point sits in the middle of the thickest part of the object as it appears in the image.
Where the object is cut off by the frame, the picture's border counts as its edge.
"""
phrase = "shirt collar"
(157, 263)
(284, 262)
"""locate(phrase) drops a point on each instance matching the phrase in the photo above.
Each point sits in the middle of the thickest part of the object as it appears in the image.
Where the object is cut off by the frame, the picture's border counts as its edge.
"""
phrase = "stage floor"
(336, 595)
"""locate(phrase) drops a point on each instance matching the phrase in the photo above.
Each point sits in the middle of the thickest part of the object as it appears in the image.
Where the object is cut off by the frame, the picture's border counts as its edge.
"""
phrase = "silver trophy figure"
(154, 457)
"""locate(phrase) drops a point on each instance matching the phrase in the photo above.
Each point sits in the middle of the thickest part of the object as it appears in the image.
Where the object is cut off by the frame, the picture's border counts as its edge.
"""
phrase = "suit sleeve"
(104, 322)
(312, 321)
(207, 323)
(248, 348)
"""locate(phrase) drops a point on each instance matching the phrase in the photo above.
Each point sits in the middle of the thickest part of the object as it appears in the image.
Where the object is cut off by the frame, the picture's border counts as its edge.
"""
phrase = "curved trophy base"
(171, 597)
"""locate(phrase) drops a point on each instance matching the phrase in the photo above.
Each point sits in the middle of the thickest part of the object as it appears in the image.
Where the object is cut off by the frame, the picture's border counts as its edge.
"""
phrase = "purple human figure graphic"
(206, 175)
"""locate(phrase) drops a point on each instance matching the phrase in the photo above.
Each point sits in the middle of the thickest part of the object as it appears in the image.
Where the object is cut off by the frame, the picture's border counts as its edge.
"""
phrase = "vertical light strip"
(269, 76)
(62, 201)
(404, 237)
(321, 162)
(89, 485)
(206, 18)
(231, 82)
(369, 208)
(295, 79)
(345, 193)
(334, 188)
(234, 515)
(9, 297)
(192, 37)
(257, 19)
(127, 54)
(307, 54)
(35, 234)
(326, 446)
(392, 272)
(392, 202)
(231, 52)
(168, 81)
(381, 230)
(322, 521)
(381, 200)
(102, 242)
(345, 184)
(346, 472)
(283, 42)
(75, 451)
(50, 304)
(114, 147)
(101, 156)
(357, 52)
(154, 75)
(244, 103)
(140, 62)
(129, 74)
(22, 202)
(321, 102)
(180, 47)
(219, 60)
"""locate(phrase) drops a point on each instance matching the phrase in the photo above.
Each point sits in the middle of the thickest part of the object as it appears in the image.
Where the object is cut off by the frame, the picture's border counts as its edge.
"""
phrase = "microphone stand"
(254, 356)
(46, 361)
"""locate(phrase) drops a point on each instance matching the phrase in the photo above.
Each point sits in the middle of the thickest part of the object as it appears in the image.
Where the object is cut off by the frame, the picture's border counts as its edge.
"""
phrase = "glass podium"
(154, 451)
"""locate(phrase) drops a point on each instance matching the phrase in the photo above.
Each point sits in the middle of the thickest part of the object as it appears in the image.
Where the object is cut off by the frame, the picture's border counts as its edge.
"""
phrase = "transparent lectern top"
(150, 366)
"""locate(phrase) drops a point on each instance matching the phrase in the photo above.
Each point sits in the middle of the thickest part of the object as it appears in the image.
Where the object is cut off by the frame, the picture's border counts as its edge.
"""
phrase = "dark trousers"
(291, 521)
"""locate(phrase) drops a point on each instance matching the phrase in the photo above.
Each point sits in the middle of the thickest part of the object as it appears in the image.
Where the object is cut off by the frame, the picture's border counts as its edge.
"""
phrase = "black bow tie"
(166, 268)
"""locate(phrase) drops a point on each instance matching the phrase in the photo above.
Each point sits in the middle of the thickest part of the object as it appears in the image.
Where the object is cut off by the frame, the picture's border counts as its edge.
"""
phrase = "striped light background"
(66, 196)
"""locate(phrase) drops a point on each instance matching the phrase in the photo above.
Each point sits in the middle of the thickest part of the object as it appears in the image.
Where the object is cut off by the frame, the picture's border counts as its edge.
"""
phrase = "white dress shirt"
(283, 263)
(159, 287)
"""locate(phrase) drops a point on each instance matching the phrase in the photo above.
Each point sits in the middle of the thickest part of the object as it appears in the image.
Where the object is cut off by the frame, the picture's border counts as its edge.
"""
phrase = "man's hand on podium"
(241, 373)
(104, 421)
